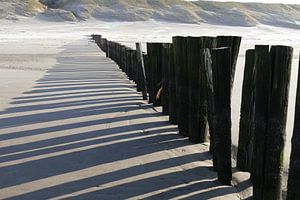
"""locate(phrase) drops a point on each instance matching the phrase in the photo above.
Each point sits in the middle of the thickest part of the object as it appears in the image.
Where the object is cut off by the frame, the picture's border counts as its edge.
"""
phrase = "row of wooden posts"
(192, 79)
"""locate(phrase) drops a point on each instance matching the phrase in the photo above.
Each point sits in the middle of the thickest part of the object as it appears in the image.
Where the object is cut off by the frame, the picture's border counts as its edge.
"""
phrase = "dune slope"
(219, 13)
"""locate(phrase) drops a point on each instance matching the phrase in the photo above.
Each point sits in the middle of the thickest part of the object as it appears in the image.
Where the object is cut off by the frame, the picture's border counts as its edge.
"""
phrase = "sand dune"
(196, 12)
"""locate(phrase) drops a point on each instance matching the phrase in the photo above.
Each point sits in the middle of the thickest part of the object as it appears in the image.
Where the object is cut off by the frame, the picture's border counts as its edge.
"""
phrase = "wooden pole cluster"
(129, 60)
(193, 74)
(101, 42)
(192, 79)
(219, 60)
(97, 39)
(272, 77)
(293, 192)
(176, 77)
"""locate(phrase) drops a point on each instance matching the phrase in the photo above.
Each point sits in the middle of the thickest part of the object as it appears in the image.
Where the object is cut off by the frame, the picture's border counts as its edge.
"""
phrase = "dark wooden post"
(293, 192)
(149, 65)
(146, 63)
(139, 73)
(107, 48)
(271, 102)
(165, 78)
(245, 145)
(155, 73)
(128, 62)
(206, 59)
(262, 89)
(208, 42)
(221, 73)
(234, 43)
(101, 43)
(123, 58)
(142, 69)
(130, 72)
(117, 53)
(281, 59)
(172, 88)
(121, 55)
(111, 51)
(197, 88)
(181, 74)
(134, 67)
(195, 123)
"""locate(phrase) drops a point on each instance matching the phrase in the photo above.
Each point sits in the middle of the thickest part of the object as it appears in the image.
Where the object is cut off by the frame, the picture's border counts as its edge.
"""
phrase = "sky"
(263, 1)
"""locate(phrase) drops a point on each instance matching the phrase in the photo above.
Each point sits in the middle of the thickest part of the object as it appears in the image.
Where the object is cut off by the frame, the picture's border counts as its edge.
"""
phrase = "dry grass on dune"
(219, 13)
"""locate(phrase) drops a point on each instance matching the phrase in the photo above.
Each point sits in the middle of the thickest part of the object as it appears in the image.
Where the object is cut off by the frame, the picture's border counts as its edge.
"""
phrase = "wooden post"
(293, 192)
(149, 65)
(117, 53)
(131, 66)
(221, 77)
(165, 78)
(245, 145)
(105, 45)
(262, 89)
(107, 48)
(155, 73)
(172, 88)
(271, 100)
(128, 62)
(134, 66)
(130, 72)
(234, 43)
(281, 59)
(111, 51)
(123, 58)
(208, 42)
(197, 88)
(195, 123)
(139, 73)
(206, 60)
(142, 67)
(146, 63)
(181, 74)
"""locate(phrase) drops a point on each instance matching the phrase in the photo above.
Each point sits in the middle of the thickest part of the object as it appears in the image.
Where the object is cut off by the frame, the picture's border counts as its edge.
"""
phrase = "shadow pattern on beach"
(83, 132)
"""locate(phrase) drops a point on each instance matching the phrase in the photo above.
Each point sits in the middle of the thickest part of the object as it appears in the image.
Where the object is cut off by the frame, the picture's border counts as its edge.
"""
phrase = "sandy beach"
(30, 50)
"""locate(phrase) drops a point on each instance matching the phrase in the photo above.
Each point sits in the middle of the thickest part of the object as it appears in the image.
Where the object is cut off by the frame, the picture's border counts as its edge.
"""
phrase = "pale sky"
(262, 1)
